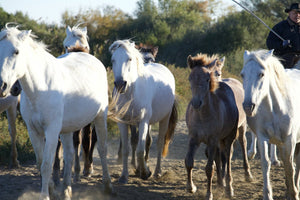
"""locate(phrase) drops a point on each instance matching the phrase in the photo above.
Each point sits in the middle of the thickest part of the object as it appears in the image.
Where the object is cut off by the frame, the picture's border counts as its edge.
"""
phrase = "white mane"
(8, 32)
(272, 64)
(130, 48)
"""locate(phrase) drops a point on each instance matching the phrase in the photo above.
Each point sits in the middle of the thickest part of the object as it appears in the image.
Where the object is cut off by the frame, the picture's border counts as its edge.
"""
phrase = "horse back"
(159, 84)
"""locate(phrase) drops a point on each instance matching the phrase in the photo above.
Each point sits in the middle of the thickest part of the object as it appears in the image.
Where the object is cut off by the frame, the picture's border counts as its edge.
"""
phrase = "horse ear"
(154, 51)
(24, 35)
(68, 30)
(270, 53)
(190, 62)
(222, 60)
(84, 30)
(246, 54)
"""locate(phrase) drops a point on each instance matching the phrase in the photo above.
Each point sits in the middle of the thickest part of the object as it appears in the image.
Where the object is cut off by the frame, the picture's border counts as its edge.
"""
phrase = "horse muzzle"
(3, 87)
(196, 103)
(120, 86)
(249, 108)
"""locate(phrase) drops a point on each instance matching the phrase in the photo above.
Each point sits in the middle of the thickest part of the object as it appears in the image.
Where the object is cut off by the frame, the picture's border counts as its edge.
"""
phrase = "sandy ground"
(24, 183)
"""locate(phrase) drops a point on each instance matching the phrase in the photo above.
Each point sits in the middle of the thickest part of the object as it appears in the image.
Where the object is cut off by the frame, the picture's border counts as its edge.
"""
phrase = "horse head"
(256, 79)
(12, 57)
(149, 52)
(202, 80)
(127, 64)
(76, 40)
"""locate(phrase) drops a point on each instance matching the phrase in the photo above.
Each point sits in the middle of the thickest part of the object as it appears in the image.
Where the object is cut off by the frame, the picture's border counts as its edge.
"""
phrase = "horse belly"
(79, 112)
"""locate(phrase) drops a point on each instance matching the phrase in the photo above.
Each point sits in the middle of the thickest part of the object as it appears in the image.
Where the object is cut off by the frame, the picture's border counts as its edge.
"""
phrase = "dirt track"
(24, 183)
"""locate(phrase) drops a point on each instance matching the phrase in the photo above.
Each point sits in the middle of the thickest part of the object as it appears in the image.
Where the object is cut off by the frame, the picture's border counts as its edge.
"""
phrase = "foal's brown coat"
(212, 118)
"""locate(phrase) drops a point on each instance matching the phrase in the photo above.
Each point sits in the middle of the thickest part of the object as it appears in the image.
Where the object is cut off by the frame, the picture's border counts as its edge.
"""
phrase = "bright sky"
(50, 11)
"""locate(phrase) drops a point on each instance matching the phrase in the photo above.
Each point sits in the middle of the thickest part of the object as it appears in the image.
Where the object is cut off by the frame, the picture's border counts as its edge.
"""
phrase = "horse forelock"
(201, 60)
(130, 48)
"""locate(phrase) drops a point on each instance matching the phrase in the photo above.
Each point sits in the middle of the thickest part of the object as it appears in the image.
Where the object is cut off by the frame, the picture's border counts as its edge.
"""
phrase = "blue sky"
(50, 11)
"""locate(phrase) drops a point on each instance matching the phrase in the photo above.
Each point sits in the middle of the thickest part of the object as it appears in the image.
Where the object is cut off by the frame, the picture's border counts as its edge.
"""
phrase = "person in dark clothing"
(289, 29)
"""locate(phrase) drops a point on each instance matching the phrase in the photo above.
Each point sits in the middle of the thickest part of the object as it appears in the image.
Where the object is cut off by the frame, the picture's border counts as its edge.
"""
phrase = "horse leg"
(119, 159)
(67, 140)
(101, 131)
(148, 143)
(228, 149)
(93, 142)
(145, 173)
(219, 168)
(287, 155)
(11, 113)
(124, 138)
(56, 166)
(211, 152)
(274, 158)
(134, 140)
(51, 135)
(297, 158)
(76, 144)
(163, 128)
(87, 148)
(189, 163)
(252, 150)
(243, 143)
(266, 166)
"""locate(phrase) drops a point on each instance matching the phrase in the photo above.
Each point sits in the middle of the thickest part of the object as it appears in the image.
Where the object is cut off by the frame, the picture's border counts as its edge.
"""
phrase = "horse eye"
(261, 75)
(16, 52)
(129, 59)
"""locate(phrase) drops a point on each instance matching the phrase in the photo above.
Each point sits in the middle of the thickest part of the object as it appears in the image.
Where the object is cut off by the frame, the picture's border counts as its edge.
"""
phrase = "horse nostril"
(252, 106)
(3, 86)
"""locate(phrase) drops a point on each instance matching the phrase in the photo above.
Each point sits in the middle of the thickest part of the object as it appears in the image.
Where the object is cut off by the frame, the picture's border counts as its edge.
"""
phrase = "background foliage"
(179, 27)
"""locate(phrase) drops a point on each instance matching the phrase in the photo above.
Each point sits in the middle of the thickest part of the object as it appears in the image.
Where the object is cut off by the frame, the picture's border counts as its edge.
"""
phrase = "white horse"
(77, 41)
(151, 90)
(272, 104)
(53, 90)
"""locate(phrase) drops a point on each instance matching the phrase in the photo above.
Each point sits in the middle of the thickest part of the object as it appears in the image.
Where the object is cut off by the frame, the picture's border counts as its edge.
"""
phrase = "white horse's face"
(255, 86)
(124, 67)
(12, 58)
(76, 37)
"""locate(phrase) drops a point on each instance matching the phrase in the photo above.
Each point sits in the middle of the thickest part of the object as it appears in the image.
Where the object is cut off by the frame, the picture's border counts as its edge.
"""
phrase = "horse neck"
(39, 63)
(276, 99)
(208, 108)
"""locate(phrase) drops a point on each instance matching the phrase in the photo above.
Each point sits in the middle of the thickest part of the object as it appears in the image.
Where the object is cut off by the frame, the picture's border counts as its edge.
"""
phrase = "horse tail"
(171, 129)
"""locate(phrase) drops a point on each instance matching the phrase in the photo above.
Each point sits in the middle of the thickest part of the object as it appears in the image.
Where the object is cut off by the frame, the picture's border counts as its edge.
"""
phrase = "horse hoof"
(88, 173)
(230, 192)
(209, 196)
(276, 163)
(191, 188)
(146, 175)
(248, 177)
(14, 165)
(251, 155)
(76, 178)
(123, 180)
(157, 175)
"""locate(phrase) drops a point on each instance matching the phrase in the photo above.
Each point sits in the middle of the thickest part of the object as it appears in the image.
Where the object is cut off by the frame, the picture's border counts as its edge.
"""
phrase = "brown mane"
(78, 48)
(201, 60)
(214, 83)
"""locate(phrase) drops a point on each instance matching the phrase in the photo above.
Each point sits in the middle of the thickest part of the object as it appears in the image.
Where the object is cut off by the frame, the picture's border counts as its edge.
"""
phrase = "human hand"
(286, 43)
